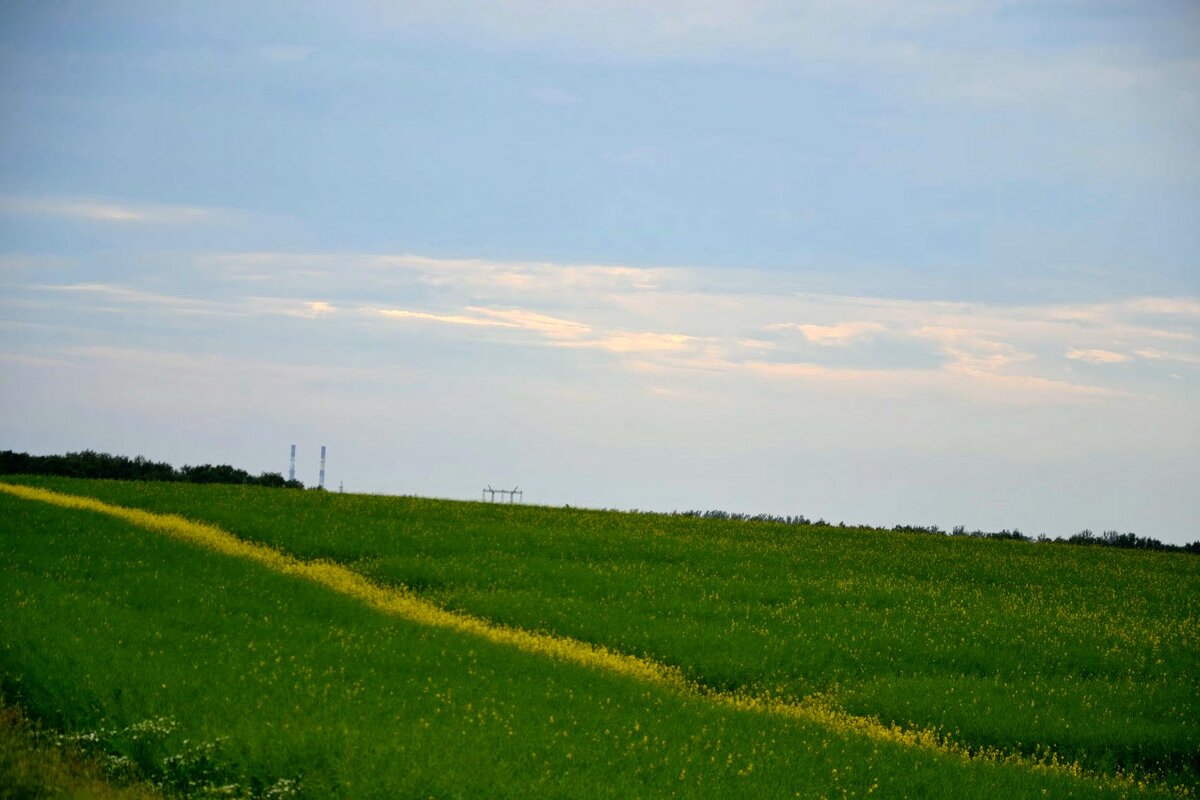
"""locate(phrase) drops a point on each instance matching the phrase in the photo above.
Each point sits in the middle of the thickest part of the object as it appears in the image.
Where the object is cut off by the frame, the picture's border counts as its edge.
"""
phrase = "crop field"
(243, 641)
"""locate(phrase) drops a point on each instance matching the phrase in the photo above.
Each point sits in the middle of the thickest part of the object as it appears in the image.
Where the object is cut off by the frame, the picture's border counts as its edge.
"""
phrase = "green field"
(202, 673)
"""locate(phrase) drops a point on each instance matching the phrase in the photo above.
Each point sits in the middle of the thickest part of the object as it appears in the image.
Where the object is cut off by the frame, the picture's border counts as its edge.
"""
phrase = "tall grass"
(36, 764)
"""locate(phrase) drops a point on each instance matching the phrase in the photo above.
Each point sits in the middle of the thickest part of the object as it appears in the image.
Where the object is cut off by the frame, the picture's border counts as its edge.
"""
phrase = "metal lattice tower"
(489, 494)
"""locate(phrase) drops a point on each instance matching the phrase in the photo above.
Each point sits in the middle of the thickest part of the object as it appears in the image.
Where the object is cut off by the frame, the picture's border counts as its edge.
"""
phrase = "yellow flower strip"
(402, 603)
(394, 601)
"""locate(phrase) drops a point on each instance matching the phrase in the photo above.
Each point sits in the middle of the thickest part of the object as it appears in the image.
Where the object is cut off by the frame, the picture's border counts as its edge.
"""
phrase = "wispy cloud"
(1181, 306)
(703, 323)
(955, 379)
(1154, 354)
(449, 319)
(1097, 356)
(200, 368)
(682, 319)
(841, 334)
(554, 330)
(281, 306)
(514, 318)
(104, 296)
(101, 211)
(627, 342)
(118, 298)
(863, 378)
(531, 321)
(319, 308)
(27, 360)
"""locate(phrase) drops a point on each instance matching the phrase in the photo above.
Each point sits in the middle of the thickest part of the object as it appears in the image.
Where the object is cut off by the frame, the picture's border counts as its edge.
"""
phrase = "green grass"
(34, 768)
(1092, 653)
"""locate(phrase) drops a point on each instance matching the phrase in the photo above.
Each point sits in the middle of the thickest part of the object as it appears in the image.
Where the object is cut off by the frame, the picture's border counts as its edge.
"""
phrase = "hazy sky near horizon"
(928, 262)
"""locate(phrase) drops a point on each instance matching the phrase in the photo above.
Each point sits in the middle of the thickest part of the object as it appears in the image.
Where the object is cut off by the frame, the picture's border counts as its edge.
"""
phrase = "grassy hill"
(917, 665)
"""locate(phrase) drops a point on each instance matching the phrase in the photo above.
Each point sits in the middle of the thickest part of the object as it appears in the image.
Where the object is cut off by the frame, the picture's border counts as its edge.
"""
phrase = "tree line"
(90, 464)
(1127, 541)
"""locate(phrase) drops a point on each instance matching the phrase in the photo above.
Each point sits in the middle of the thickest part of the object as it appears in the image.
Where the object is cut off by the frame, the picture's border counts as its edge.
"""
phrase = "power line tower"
(489, 494)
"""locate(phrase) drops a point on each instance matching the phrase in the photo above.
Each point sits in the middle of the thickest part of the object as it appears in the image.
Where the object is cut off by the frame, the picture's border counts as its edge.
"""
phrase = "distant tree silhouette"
(90, 464)
(1128, 541)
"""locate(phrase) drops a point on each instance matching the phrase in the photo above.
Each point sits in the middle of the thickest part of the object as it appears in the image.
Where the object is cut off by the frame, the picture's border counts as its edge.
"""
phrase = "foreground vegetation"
(1089, 653)
(35, 765)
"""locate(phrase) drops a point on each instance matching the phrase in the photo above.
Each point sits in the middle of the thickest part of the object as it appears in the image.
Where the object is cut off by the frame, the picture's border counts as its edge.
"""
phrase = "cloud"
(1096, 356)
(92, 210)
(625, 342)
(319, 308)
(1175, 306)
(26, 360)
(111, 294)
(107, 289)
(841, 334)
(282, 306)
(827, 374)
(1143, 332)
(1153, 354)
(514, 279)
(957, 378)
(699, 324)
(497, 318)
(450, 319)
(208, 368)
(525, 277)
(118, 298)
(971, 352)
(561, 332)
(1028, 389)
(979, 356)
(530, 321)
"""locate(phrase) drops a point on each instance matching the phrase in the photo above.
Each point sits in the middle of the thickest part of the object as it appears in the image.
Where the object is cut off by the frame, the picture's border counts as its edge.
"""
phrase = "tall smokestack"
(321, 482)
(292, 468)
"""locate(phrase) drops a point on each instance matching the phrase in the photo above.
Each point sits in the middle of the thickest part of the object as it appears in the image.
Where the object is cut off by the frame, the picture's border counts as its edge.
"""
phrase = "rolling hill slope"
(920, 666)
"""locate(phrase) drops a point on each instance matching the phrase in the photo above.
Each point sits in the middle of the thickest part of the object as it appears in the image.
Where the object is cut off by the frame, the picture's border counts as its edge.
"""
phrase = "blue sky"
(925, 262)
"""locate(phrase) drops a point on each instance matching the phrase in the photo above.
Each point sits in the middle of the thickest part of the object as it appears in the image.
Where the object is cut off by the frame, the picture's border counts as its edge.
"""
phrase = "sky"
(926, 262)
